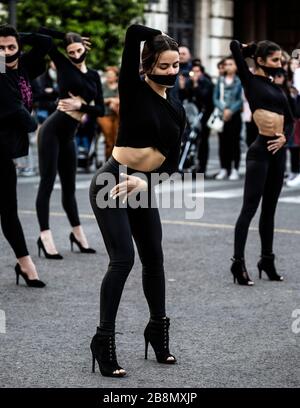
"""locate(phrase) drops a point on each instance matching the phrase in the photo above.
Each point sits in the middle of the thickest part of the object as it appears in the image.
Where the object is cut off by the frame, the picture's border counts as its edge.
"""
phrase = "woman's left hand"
(126, 188)
(275, 145)
(70, 104)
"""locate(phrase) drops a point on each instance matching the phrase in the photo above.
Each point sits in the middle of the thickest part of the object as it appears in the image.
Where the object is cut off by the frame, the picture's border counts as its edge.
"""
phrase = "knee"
(122, 265)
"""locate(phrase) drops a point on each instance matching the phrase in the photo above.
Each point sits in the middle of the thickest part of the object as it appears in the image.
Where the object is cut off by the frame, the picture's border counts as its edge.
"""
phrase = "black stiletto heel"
(157, 334)
(83, 250)
(239, 272)
(33, 283)
(146, 349)
(41, 246)
(103, 350)
(266, 264)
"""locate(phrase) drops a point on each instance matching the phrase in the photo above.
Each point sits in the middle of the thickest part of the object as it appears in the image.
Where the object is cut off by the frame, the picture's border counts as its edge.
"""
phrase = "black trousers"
(295, 159)
(57, 152)
(203, 149)
(229, 143)
(10, 223)
(264, 179)
(118, 226)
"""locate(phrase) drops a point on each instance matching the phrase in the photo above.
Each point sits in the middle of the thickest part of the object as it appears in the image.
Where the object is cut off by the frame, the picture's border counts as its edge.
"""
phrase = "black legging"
(10, 222)
(57, 152)
(295, 159)
(118, 226)
(229, 143)
(264, 179)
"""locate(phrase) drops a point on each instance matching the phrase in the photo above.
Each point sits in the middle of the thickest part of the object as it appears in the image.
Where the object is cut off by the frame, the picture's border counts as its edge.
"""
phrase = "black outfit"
(42, 100)
(56, 142)
(229, 143)
(16, 122)
(146, 119)
(202, 97)
(264, 170)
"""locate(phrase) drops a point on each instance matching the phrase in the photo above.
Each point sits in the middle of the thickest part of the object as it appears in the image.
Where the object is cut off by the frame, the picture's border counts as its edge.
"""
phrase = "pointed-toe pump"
(103, 350)
(33, 283)
(41, 246)
(239, 272)
(267, 264)
(157, 334)
(74, 240)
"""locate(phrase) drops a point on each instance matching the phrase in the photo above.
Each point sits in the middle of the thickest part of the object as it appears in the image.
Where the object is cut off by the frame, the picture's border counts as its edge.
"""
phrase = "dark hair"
(7, 30)
(71, 38)
(221, 62)
(153, 48)
(264, 49)
(229, 57)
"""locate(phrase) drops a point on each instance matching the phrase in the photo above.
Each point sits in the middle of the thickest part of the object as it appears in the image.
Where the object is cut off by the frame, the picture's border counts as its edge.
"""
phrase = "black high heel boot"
(33, 283)
(104, 351)
(81, 248)
(157, 333)
(266, 263)
(41, 246)
(239, 272)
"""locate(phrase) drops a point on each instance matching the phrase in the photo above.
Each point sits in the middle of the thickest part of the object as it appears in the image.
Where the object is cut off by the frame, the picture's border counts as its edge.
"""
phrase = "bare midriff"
(268, 123)
(140, 159)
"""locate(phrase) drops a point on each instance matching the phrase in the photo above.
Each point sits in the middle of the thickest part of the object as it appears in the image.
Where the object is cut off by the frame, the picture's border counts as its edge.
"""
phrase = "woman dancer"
(265, 161)
(151, 125)
(16, 122)
(80, 92)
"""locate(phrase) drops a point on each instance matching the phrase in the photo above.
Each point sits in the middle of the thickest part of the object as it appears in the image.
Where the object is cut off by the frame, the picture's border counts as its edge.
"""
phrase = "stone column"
(213, 31)
(156, 14)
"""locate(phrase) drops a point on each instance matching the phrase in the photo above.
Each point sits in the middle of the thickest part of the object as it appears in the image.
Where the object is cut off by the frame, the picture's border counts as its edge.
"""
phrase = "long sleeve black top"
(71, 79)
(146, 118)
(260, 92)
(16, 96)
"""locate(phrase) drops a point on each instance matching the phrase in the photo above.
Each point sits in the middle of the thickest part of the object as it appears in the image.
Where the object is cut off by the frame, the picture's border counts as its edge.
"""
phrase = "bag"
(215, 122)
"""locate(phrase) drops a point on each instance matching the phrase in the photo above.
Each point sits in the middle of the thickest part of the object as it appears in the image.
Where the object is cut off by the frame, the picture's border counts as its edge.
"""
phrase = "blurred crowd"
(204, 98)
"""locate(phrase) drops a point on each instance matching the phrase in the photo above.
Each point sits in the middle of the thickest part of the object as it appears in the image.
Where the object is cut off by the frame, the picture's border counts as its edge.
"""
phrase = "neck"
(230, 75)
(13, 65)
(161, 90)
(82, 66)
(261, 72)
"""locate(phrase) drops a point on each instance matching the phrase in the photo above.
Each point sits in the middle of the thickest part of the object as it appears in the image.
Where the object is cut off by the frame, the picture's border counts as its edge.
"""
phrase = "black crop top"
(260, 92)
(16, 95)
(146, 118)
(71, 79)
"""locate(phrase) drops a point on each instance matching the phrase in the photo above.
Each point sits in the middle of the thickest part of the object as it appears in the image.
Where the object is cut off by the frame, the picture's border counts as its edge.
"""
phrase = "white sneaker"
(234, 175)
(295, 182)
(291, 176)
(222, 175)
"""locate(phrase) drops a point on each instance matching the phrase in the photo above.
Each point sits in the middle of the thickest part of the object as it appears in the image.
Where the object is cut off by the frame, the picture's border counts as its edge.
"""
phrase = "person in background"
(231, 106)
(109, 123)
(199, 90)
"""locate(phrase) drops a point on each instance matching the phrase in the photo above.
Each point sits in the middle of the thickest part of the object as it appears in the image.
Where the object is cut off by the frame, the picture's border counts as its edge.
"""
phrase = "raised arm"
(56, 56)
(34, 60)
(130, 66)
(239, 54)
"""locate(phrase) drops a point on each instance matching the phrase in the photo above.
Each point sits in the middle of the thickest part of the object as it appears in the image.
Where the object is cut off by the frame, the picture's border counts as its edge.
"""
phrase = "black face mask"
(12, 58)
(164, 80)
(272, 71)
(80, 59)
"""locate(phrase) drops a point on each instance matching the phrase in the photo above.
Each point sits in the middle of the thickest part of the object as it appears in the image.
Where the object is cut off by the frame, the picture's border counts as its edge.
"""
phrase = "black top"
(71, 79)
(260, 91)
(42, 99)
(16, 96)
(146, 118)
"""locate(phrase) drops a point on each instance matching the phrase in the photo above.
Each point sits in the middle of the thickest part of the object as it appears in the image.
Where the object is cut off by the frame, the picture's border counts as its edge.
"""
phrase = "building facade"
(207, 26)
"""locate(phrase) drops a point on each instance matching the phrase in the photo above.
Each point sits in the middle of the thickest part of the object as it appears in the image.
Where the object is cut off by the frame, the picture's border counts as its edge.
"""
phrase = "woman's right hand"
(275, 145)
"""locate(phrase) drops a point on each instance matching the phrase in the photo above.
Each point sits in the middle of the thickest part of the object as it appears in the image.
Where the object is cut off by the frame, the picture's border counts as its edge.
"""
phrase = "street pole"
(12, 12)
